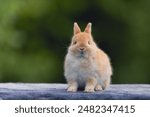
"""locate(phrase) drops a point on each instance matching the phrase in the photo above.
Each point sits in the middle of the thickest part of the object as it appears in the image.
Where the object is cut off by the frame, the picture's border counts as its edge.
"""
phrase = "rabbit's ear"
(76, 29)
(88, 28)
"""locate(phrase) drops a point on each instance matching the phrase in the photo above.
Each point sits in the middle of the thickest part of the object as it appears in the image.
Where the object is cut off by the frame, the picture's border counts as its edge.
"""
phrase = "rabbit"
(86, 66)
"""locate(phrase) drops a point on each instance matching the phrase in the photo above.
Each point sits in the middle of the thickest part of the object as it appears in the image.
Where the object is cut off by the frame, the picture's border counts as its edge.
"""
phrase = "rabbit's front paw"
(72, 89)
(98, 88)
(89, 89)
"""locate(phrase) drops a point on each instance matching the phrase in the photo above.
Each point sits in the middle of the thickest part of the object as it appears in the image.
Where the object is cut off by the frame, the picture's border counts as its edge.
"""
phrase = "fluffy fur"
(86, 66)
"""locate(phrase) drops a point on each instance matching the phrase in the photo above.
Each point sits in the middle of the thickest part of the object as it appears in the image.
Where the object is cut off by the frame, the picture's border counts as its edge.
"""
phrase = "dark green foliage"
(35, 34)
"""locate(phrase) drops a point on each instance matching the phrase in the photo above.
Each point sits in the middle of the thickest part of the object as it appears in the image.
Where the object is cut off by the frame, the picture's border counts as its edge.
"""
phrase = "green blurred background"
(35, 34)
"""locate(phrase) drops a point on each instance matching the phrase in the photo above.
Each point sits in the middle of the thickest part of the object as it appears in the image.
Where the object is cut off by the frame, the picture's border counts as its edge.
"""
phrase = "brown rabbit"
(86, 66)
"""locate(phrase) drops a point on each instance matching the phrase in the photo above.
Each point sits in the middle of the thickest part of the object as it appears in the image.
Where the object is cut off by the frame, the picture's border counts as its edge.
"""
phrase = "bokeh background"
(35, 34)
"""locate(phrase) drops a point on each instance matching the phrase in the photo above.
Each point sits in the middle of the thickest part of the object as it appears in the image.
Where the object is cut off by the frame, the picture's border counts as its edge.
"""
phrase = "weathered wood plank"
(21, 91)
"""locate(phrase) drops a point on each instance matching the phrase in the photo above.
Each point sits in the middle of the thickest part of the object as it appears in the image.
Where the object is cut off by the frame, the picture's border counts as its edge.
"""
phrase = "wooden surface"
(21, 91)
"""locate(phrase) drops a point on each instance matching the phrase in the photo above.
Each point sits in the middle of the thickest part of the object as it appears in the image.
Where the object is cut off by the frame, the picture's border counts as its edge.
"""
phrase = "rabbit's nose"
(82, 48)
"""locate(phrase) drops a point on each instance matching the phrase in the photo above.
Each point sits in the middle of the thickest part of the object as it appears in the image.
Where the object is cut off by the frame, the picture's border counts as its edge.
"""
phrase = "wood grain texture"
(27, 91)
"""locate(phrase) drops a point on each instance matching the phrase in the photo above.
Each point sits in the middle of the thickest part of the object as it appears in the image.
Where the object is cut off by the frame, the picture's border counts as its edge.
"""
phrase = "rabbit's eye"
(89, 42)
(74, 42)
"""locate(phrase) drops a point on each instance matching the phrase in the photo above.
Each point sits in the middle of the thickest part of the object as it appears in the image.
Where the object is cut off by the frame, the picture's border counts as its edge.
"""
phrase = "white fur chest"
(80, 69)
